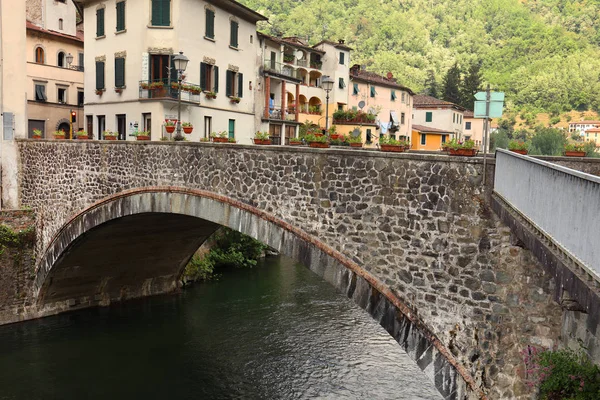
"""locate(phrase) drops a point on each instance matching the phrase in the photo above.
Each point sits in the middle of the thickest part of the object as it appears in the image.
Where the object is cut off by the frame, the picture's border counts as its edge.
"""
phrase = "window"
(61, 95)
(234, 84)
(60, 24)
(467, 126)
(120, 16)
(209, 77)
(423, 138)
(403, 97)
(342, 57)
(369, 136)
(233, 38)
(39, 55)
(119, 72)
(402, 117)
(443, 138)
(40, 92)
(373, 92)
(80, 60)
(61, 59)
(210, 24)
(355, 89)
(100, 22)
(99, 75)
(453, 118)
(393, 95)
(80, 98)
(461, 117)
(89, 123)
(101, 125)
(121, 126)
(251, 39)
(161, 12)
(232, 128)
(428, 116)
(207, 126)
(147, 118)
(340, 107)
(341, 83)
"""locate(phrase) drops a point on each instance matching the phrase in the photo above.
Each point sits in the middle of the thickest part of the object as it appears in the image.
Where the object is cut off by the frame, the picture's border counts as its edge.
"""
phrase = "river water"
(273, 332)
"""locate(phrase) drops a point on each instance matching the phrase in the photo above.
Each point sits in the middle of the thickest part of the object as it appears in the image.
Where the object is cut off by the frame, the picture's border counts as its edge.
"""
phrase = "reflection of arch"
(314, 105)
(303, 73)
(315, 78)
(61, 60)
(40, 56)
(303, 103)
(196, 214)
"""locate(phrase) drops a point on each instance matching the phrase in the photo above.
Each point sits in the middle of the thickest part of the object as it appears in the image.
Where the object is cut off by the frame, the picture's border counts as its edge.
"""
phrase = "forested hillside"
(545, 54)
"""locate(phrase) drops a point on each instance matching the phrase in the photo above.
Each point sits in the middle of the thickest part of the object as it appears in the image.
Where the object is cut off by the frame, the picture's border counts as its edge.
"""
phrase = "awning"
(394, 118)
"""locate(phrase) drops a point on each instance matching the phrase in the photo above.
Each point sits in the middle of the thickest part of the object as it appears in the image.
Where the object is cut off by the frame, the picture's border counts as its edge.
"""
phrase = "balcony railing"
(161, 89)
(282, 69)
(287, 114)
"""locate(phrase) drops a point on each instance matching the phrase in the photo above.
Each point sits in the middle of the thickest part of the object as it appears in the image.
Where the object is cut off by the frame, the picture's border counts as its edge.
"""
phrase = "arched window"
(61, 59)
(39, 55)
(60, 24)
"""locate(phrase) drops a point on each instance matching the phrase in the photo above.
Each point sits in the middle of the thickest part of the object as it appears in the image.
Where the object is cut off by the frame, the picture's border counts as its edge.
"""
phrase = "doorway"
(122, 126)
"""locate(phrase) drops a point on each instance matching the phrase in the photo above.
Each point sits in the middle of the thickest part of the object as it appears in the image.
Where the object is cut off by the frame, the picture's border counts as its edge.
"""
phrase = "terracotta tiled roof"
(358, 74)
(593, 130)
(585, 123)
(34, 27)
(469, 114)
(290, 41)
(334, 44)
(425, 101)
(426, 129)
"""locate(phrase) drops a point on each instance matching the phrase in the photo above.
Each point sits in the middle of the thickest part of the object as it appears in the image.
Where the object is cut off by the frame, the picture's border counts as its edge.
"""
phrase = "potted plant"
(221, 137)
(37, 134)
(59, 134)
(81, 135)
(288, 58)
(205, 139)
(142, 135)
(187, 127)
(355, 141)
(144, 85)
(195, 89)
(231, 140)
(333, 135)
(158, 89)
(234, 100)
(295, 141)
(518, 146)
(262, 138)
(575, 150)
(465, 149)
(210, 95)
(389, 144)
(108, 135)
(99, 92)
(317, 141)
(119, 90)
(169, 126)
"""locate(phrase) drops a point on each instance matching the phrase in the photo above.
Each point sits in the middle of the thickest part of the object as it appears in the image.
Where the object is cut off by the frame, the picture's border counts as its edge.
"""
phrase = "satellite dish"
(299, 54)
(355, 132)
(361, 104)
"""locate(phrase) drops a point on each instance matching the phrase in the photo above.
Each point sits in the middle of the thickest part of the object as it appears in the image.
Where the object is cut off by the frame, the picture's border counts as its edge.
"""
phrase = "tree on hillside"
(471, 84)
(431, 86)
(451, 90)
(547, 142)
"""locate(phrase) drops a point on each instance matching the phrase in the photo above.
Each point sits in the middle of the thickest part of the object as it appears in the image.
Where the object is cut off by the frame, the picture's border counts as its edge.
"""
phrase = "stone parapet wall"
(420, 224)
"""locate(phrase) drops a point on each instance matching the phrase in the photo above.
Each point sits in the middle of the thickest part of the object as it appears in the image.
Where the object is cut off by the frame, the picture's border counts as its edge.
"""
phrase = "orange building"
(426, 138)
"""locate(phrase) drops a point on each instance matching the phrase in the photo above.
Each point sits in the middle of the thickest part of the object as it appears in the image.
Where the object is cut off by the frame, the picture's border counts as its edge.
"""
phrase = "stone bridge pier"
(410, 237)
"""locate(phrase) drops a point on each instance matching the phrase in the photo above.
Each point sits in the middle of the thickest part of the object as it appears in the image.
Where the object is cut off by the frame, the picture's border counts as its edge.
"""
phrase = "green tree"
(451, 91)
(471, 84)
(431, 86)
(547, 142)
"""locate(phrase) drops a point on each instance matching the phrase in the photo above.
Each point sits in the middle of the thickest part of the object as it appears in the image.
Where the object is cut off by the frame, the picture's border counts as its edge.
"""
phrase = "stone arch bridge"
(410, 237)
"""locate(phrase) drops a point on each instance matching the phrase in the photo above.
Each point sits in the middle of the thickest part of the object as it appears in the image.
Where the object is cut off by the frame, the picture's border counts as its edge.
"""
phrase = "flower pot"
(170, 128)
(83, 138)
(263, 141)
(110, 138)
(140, 137)
(575, 153)
(334, 136)
(392, 148)
(356, 145)
(463, 152)
(523, 152)
(318, 134)
(318, 145)
(187, 129)
(220, 140)
(445, 148)
(295, 143)
(36, 137)
(59, 136)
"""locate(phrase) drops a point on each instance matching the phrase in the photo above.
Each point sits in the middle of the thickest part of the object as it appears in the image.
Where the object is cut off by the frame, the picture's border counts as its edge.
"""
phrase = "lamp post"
(327, 85)
(180, 62)
(69, 60)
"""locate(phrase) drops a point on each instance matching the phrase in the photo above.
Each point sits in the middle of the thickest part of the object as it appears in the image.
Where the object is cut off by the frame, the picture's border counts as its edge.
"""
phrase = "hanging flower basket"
(575, 153)
(391, 148)
(170, 128)
(334, 136)
(187, 129)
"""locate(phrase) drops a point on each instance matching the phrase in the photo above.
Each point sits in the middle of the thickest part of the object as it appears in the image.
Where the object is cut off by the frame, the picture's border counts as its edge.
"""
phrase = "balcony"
(162, 89)
(277, 113)
(282, 69)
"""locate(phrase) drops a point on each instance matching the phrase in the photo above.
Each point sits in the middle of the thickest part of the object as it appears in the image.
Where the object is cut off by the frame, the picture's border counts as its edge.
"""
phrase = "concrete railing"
(562, 203)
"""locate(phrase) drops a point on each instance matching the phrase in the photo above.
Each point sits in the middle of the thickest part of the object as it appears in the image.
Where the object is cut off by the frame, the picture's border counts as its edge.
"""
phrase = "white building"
(130, 84)
(435, 113)
(583, 126)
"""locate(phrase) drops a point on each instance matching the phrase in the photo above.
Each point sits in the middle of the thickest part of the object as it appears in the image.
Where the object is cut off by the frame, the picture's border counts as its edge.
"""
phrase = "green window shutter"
(342, 57)
(373, 91)
(100, 22)
(121, 16)
(342, 84)
(428, 116)
(355, 90)
(393, 95)
(161, 12)
(228, 83)
(216, 69)
(210, 24)
(203, 76)
(99, 75)
(240, 85)
(234, 34)
(232, 128)
(166, 12)
(119, 72)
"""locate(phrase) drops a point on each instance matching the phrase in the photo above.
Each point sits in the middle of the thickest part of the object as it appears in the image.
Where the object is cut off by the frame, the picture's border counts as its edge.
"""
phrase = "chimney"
(354, 69)
(341, 41)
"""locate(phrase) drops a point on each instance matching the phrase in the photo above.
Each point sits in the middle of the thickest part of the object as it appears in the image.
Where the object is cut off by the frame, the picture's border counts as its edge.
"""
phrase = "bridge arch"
(57, 267)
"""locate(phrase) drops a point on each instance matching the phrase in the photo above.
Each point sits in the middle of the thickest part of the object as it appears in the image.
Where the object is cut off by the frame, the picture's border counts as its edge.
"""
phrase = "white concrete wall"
(562, 202)
(55, 10)
(442, 119)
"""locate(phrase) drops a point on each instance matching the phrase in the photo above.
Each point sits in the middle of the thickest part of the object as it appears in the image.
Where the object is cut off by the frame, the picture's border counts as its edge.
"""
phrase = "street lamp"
(327, 85)
(69, 60)
(180, 62)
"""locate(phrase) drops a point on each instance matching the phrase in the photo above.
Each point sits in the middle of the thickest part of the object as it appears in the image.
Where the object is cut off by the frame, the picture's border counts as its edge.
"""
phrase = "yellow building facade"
(426, 138)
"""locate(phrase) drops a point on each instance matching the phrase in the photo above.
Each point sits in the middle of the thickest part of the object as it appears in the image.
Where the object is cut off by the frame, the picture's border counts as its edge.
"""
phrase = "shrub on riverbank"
(230, 249)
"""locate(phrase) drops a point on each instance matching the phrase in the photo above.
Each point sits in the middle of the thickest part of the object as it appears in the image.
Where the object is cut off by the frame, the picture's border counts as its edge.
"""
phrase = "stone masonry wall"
(420, 223)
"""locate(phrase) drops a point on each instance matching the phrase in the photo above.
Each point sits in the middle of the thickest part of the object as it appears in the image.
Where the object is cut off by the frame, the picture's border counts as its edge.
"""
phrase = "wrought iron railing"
(161, 89)
(287, 114)
(282, 69)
